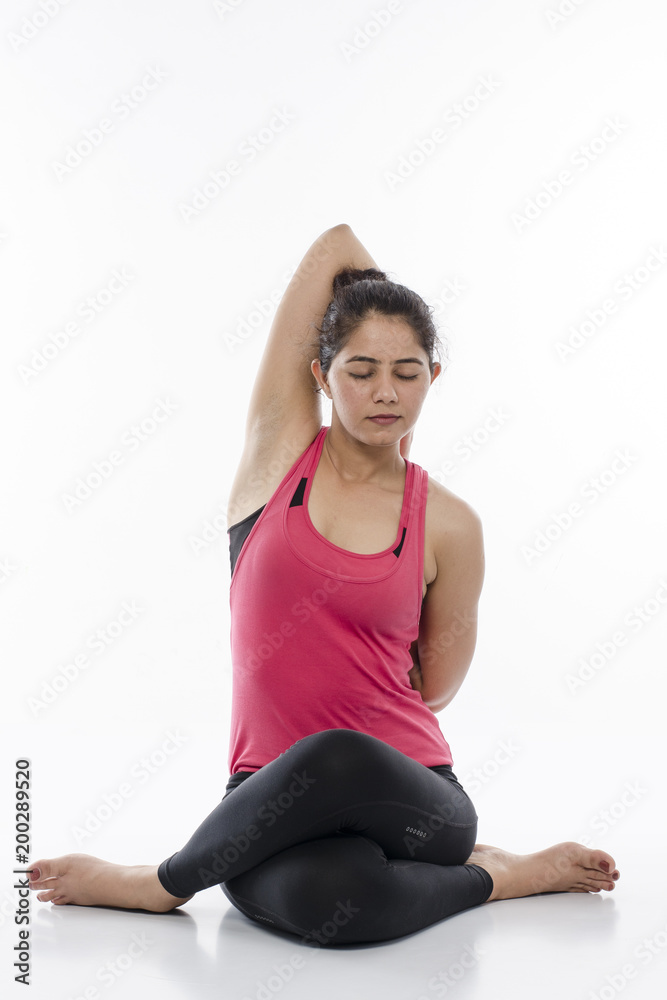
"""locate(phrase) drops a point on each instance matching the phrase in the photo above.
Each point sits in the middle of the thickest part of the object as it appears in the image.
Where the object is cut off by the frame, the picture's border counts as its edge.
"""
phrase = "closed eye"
(406, 378)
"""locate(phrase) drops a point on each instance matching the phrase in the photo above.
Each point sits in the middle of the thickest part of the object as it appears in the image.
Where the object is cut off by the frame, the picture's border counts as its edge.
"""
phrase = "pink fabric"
(320, 637)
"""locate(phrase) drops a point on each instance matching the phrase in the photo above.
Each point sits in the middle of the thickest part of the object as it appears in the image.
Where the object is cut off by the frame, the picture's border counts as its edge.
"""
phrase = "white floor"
(559, 945)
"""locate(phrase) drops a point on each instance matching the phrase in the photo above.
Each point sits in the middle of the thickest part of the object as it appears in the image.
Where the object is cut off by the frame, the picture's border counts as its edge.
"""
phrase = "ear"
(437, 368)
(316, 369)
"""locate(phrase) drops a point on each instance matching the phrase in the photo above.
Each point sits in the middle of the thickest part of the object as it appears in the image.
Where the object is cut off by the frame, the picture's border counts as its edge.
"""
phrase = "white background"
(480, 211)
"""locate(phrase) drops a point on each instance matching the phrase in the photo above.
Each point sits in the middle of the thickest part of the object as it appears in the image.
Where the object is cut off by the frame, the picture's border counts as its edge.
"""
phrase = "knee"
(342, 752)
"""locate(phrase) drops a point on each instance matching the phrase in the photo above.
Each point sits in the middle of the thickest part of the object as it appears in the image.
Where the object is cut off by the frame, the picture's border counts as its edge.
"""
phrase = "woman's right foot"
(87, 881)
(566, 867)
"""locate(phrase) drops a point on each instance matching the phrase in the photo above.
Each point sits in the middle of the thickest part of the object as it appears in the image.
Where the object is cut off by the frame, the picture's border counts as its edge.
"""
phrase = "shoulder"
(268, 455)
(453, 526)
(449, 512)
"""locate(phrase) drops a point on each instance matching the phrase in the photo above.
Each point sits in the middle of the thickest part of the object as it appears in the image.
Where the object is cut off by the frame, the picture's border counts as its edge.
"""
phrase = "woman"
(354, 593)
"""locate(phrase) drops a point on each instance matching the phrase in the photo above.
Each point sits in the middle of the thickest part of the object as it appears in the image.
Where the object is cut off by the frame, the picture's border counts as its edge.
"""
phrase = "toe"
(49, 896)
(42, 870)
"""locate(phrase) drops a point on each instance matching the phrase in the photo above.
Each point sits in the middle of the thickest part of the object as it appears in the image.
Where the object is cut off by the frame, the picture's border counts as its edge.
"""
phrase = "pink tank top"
(320, 637)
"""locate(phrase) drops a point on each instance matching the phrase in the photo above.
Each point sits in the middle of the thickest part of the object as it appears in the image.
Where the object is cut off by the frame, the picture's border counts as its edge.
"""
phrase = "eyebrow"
(374, 361)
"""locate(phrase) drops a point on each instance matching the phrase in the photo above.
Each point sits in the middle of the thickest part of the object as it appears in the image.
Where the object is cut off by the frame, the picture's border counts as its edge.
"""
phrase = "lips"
(384, 418)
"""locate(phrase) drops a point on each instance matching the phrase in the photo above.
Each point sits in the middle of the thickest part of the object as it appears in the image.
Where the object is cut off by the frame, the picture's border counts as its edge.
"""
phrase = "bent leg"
(330, 781)
(344, 890)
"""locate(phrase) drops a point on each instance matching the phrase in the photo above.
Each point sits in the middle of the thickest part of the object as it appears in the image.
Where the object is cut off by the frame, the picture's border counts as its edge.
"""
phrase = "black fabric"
(299, 492)
(238, 533)
(397, 550)
(341, 839)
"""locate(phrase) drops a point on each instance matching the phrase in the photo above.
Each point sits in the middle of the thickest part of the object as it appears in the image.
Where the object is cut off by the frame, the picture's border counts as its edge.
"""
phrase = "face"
(383, 369)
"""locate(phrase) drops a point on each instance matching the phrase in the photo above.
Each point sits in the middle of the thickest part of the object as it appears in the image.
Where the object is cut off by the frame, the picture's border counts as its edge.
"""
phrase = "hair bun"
(351, 275)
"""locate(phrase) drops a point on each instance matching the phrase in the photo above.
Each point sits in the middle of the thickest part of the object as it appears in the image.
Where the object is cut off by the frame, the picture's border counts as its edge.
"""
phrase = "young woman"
(354, 593)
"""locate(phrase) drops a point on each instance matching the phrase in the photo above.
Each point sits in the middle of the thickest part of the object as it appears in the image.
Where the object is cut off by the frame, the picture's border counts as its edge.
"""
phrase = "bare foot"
(88, 881)
(567, 867)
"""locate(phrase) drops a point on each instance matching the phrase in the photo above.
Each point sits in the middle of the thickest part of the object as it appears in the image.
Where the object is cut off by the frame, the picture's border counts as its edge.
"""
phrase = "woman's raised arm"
(283, 395)
(285, 413)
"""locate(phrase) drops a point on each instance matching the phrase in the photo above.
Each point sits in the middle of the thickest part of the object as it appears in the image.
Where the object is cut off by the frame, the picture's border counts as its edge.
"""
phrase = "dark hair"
(357, 294)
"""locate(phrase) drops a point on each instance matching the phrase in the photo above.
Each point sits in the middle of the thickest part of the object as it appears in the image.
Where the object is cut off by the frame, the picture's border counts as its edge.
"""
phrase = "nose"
(384, 390)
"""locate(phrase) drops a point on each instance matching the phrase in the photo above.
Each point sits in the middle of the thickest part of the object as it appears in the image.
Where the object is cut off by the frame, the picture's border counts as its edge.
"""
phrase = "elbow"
(342, 227)
(437, 703)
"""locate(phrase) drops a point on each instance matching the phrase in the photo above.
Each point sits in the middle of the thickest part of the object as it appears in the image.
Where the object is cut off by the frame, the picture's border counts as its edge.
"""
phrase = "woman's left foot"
(567, 867)
(87, 881)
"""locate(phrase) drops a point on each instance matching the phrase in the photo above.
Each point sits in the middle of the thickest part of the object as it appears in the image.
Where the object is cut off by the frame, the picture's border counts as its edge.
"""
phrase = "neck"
(356, 462)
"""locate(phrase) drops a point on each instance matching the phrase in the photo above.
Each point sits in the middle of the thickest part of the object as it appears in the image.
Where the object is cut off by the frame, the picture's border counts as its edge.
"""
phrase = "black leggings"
(341, 839)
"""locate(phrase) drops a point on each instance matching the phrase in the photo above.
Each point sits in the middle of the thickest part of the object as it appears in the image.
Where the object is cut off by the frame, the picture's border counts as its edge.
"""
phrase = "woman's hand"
(415, 675)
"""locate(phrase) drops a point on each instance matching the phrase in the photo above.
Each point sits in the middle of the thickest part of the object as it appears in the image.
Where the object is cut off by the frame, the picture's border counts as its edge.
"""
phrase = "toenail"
(615, 875)
(35, 874)
(604, 865)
